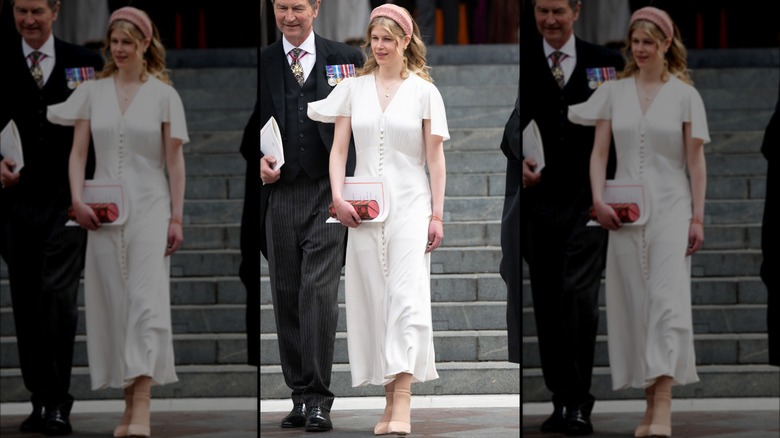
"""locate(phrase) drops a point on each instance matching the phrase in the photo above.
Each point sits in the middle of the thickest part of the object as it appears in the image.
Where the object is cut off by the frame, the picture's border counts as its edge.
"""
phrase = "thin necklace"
(387, 89)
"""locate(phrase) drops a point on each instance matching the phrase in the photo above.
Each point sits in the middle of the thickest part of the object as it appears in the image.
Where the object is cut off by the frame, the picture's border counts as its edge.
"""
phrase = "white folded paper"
(105, 191)
(366, 188)
(532, 145)
(11, 145)
(630, 191)
(271, 142)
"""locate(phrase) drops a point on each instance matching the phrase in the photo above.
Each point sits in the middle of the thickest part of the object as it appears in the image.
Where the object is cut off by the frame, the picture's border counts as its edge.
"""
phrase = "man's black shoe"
(296, 417)
(578, 421)
(556, 422)
(35, 422)
(318, 420)
(58, 421)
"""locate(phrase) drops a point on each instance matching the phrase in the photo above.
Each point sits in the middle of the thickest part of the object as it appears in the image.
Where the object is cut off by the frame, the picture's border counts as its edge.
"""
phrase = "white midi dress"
(126, 275)
(648, 275)
(387, 273)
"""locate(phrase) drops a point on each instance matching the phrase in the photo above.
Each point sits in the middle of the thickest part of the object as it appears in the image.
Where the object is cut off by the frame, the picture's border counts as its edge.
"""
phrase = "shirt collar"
(569, 48)
(307, 46)
(47, 48)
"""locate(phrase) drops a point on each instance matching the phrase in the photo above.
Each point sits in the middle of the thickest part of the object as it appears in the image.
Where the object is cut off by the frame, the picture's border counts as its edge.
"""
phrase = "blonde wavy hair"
(674, 60)
(413, 56)
(153, 58)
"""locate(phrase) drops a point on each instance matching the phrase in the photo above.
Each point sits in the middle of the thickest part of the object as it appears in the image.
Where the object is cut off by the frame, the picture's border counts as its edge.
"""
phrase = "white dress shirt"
(307, 61)
(46, 62)
(568, 62)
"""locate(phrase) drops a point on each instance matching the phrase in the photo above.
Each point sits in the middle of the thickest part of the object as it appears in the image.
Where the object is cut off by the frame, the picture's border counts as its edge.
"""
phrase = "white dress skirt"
(126, 275)
(388, 284)
(648, 275)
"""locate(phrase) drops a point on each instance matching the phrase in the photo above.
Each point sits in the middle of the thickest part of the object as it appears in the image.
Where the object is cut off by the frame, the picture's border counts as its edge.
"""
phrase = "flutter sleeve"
(598, 107)
(693, 112)
(337, 104)
(76, 107)
(435, 112)
(173, 113)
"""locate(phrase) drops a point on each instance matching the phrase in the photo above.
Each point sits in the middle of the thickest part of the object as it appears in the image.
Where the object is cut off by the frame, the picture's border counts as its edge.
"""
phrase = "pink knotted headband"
(657, 17)
(135, 16)
(395, 13)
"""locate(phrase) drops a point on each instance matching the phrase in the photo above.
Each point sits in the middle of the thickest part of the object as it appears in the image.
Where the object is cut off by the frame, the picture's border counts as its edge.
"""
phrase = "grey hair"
(52, 3)
(313, 3)
(572, 3)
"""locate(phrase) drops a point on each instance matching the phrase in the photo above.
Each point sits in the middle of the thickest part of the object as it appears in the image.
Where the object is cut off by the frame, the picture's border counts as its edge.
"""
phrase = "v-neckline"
(652, 102)
(130, 104)
(392, 99)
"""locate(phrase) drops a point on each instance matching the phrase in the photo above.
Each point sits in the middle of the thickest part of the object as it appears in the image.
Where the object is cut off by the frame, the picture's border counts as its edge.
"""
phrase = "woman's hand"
(695, 237)
(435, 234)
(606, 216)
(85, 216)
(347, 215)
(175, 237)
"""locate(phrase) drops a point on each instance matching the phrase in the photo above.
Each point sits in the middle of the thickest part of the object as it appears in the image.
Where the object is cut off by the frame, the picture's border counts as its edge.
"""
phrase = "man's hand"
(7, 176)
(267, 173)
(530, 178)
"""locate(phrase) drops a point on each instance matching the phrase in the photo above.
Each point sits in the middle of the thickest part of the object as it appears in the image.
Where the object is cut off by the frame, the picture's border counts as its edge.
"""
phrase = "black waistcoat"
(303, 147)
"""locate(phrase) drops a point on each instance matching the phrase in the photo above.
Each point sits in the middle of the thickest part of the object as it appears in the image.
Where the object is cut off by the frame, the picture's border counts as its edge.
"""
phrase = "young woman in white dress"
(399, 123)
(660, 126)
(136, 120)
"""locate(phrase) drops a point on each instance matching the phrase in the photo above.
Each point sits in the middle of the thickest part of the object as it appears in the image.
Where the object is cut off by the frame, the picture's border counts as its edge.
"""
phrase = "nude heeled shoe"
(139, 420)
(400, 423)
(381, 428)
(121, 430)
(661, 425)
(643, 429)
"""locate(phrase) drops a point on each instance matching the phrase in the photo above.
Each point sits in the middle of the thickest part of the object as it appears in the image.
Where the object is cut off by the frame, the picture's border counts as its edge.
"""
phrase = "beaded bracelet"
(436, 218)
(696, 220)
(175, 220)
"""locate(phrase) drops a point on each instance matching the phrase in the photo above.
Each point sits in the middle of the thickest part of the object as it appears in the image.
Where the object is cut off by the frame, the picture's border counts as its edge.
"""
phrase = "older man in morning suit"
(565, 258)
(44, 257)
(304, 254)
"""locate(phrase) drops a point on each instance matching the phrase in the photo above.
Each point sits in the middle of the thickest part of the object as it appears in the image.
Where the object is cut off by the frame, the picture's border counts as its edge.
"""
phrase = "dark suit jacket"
(272, 64)
(510, 268)
(43, 185)
(567, 146)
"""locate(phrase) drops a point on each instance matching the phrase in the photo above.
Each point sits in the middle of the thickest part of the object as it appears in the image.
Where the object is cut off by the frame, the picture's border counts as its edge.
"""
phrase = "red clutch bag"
(367, 210)
(105, 212)
(626, 212)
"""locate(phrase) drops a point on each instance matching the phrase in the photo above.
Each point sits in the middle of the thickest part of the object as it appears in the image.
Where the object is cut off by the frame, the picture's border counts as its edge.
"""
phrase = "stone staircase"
(218, 89)
(739, 89)
(479, 88)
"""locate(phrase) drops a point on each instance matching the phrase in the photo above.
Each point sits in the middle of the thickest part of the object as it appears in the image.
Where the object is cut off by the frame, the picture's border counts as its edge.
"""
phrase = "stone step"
(721, 349)
(217, 120)
(195, 381)
(476, 139)
(218, 212)
(457, 260)
(734, 78)
(210, 78)
(208, 263)
(450, 346)
(736, 187)
(221, 98)
(201, 349)
(224, 289)
(736, 142)
(480, 117)
(715, 381)
(758, 97)
(446, 317)
(709, 319)
(476, 184)
(213, 236)
(738, 120)
(741, 164)
(215, 142)
(733, 58)
(186, 319)
(480, 94)
(445, 288)
(719, 263)
(471, 75)
(704, 291)
(455, 378)
(215, 187)
(476, 54)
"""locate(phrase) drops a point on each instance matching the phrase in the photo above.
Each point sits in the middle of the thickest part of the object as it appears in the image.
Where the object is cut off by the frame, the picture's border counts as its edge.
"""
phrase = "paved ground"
(710, 418)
